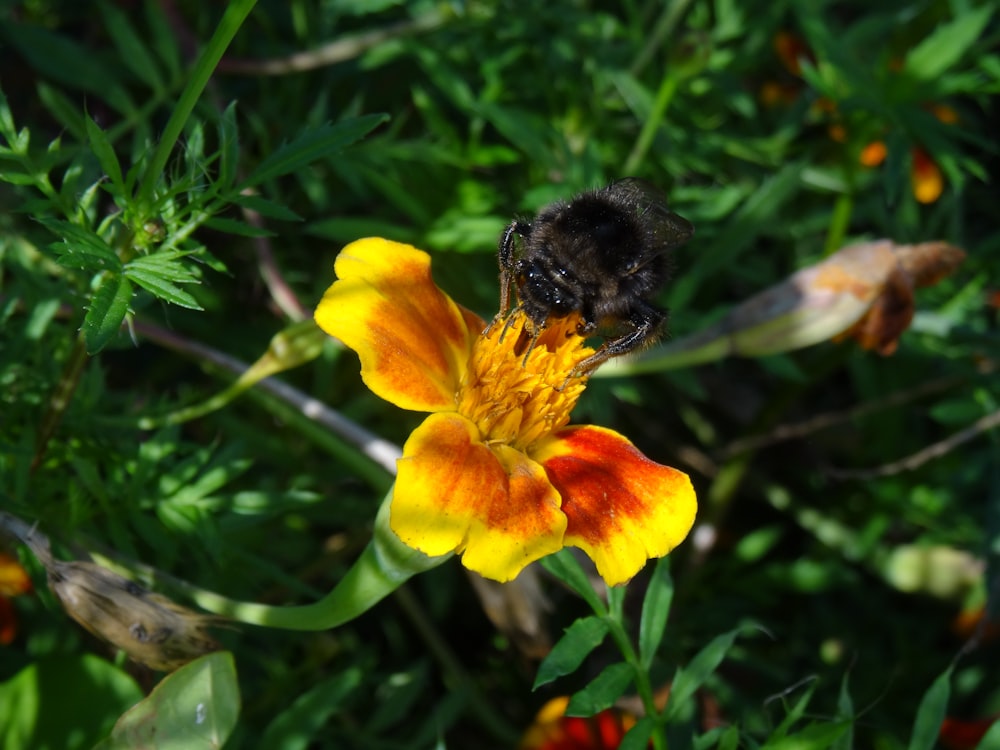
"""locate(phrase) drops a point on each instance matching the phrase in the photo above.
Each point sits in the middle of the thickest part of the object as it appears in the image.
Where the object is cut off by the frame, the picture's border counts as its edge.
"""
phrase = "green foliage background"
(207, 218)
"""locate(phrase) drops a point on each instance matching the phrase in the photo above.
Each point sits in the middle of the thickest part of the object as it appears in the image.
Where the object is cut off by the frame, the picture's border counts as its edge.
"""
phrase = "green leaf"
(814, 736)
(89, 691)
(931, 712)
(265, 207)
(66, 111)
(240, 228)
(655, 610)
(105, 154)
(82, 247)
(565, 567)
(311, 146)
(166, 265)
(580, 638)
(296, 726)
(194, 708)
(132, 49)
(61, 59)
(165, 290)
(107, 310)
(990, 740)
(229, 146)
(700, 668)
(945, 47)
(637, 738)
(845, 710)
(602, 692)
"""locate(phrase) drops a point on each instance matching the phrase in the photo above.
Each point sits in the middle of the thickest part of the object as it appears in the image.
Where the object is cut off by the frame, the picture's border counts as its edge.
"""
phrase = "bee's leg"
(645, 320)
(505, 258)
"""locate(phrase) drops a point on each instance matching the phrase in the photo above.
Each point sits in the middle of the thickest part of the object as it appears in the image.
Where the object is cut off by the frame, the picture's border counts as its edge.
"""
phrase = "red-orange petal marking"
(413, 340)
(621, 507)
(491, 503)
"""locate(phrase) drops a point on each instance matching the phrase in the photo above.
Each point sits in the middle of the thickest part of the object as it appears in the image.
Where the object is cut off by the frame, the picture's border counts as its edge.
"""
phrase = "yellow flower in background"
(496, 473)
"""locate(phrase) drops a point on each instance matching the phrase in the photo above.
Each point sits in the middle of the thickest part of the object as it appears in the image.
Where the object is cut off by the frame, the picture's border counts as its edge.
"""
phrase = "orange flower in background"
(926, 178)
(14, 581)
(553, 730)
(496, 473)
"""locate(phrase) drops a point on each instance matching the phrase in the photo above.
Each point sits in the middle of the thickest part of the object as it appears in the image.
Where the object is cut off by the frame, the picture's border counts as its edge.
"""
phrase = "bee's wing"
(650, 203)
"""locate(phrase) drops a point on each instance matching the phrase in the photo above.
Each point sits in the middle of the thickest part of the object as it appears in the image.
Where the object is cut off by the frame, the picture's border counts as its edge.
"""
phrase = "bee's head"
(546, 289)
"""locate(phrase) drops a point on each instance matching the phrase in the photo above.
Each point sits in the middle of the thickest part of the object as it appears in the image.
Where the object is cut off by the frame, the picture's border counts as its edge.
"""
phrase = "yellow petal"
(413, 340)
(491, 503)
(621, 507)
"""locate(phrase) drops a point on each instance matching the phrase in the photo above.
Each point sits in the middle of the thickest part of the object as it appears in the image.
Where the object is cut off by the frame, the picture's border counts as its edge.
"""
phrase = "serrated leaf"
(655, 610)
(602, 692)
(166, 265)
(195, 708)
(946, 45)
(232, 226)
(699, 669)
(162, 288)
(930, 714)
(265, 207)
(107, 310)
(311, 146)
(105, 153)
(580, 638)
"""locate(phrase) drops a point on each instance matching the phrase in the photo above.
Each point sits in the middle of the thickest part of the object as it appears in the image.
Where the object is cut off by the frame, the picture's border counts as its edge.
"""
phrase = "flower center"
(519, 387)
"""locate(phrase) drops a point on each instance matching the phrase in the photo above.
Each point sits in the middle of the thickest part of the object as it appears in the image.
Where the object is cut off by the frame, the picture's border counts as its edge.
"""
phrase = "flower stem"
(383, 566)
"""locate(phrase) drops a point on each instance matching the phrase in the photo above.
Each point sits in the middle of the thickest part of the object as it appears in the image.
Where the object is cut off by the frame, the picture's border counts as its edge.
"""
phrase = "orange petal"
(14, 579)
(491, 503)
(621, 508)
(413, 340)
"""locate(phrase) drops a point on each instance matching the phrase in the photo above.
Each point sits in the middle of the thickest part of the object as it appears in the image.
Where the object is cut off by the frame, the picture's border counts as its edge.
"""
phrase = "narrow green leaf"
(700, 668)
(106, 312)
(637, 738)
(195, 708)
(233, 226)
(602, 692)
(580, 638)
(81, 247)
(265, 207)
(313, 145)
(655, 610)
(565, 567)
(229, 146)
(946, 45)
(132, 49)
(845, 710)
(296, 726)
(61, 59)
(931, 712)
(105, 154)
(7, 128)
(162, 288)
(65, 110)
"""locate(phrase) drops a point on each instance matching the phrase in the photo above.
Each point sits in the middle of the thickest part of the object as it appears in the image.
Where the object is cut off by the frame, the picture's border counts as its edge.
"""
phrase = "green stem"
(668, 87)
(382, 568)
(232, 19)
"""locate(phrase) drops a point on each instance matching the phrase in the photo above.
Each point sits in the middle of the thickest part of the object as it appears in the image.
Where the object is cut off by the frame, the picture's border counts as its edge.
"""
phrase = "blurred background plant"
(177, 179)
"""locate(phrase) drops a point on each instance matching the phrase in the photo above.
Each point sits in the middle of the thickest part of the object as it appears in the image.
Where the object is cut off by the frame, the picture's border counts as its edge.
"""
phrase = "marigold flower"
(14, 581)
(496, 473)
(553, 730)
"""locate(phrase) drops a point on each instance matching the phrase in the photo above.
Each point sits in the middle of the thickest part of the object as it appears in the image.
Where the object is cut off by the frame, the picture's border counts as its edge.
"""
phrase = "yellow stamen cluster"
(519, 387)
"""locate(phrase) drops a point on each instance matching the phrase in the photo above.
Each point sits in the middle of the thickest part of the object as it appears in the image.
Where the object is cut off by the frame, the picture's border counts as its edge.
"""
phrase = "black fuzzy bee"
(603, 255)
